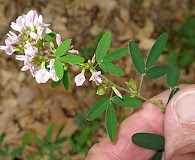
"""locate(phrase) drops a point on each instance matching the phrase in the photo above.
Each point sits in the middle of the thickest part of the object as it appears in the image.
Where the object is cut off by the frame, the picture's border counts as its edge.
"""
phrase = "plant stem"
(117, 86)
(137, 95)
(147, 100)
(140, 84)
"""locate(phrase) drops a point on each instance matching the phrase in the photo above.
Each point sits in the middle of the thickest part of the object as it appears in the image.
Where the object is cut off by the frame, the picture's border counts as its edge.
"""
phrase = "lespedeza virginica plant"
(48, 57)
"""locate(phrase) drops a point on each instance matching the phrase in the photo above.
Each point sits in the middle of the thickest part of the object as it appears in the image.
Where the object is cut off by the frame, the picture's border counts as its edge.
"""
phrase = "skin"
(177, 128)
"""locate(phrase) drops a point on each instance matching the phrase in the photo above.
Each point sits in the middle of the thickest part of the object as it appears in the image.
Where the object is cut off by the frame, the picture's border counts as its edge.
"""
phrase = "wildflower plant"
(48, 57)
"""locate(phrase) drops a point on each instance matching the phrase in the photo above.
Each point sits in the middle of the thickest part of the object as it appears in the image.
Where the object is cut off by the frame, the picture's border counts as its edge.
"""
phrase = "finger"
(180, 125)
(148, 118)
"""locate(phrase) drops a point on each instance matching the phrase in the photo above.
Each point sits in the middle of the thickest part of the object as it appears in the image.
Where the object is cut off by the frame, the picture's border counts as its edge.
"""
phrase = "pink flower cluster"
(29, 42)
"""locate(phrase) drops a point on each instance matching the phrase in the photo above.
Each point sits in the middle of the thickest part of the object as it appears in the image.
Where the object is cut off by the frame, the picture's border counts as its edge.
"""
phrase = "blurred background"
(28, 107)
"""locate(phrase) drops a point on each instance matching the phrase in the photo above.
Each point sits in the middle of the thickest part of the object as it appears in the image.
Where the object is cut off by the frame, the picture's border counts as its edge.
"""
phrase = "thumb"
(179, 125)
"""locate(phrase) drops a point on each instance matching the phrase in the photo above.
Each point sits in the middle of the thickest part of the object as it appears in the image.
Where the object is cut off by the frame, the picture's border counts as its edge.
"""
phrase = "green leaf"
(2, 136)
(17, 151)
(137, 57)
(26, 139)
(127, 101)
(61, 140)
(3, 153)
(49, 132)
(81, 139)
(172, 93)
(59, 69)
(52, 147)
(71, 58)
(60, 131)
(98, 108)
(149, 140)
(49, 37)
(157, 156)
(156, 50)
(172, 77)
(112, 68)
(111, 122)
(38, 141)
(66, 81)
(156, 71)
(103, 46)
(55, 84)
(63, 47)
(116, 55)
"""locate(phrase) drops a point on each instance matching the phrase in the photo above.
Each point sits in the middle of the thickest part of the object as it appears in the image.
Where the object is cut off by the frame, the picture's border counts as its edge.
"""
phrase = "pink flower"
(116, 91)
(79, 79)
(96, 78)
(52, 72)
(58, 39)
(29, 54)
(20, 23)
(42, 76)
(10, 43)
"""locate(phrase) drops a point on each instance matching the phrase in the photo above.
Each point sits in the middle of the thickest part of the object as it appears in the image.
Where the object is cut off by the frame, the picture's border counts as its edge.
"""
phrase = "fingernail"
(185, 106)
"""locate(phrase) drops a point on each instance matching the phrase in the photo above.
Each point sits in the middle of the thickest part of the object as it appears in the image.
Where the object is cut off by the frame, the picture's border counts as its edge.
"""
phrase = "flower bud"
(101, 90)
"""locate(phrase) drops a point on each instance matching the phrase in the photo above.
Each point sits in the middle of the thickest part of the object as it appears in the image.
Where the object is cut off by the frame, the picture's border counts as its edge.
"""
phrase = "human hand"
(177, 125)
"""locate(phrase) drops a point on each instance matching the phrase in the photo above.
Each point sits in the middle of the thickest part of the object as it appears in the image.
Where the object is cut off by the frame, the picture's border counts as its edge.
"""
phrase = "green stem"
(137, 95)
(117, 86)
(147, 100)
(140, 84)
